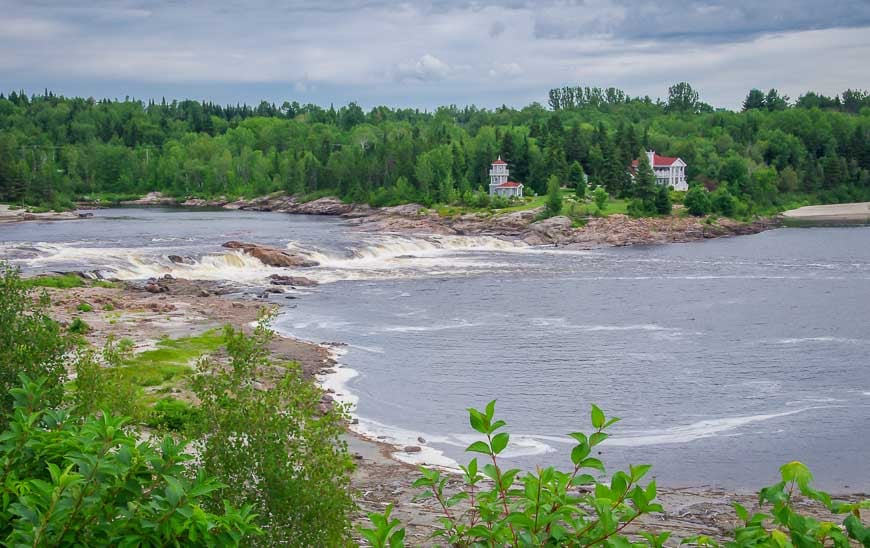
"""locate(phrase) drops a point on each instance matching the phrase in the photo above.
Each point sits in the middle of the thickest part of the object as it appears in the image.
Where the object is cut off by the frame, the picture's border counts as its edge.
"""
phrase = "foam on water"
(562, 323)
(384, 252)
(697, 430)
(810, 340)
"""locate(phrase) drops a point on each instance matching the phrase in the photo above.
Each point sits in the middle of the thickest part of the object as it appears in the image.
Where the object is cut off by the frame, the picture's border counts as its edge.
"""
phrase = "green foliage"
(723, 202)
(697, 201)
(506, 507)
(275, 449)
(91, 482)
(640, 208)
(79, 326)
(84, 307)
(386, 532)
(581, 507)
(783, 525)
(31, 343)
(173, 414)
(111, 150)
(56, 281)
(600, 196)
(578, 178)
(662, 202)
(553, 206)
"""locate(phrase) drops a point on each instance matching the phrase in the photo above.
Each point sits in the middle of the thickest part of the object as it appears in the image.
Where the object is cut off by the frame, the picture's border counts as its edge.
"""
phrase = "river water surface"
(723, 358)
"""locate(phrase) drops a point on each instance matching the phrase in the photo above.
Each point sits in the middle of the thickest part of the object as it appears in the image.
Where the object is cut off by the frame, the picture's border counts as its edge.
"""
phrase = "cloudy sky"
(430, 52)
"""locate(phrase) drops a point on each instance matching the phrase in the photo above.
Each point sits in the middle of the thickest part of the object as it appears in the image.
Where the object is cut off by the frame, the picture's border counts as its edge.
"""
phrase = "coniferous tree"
(554, 197)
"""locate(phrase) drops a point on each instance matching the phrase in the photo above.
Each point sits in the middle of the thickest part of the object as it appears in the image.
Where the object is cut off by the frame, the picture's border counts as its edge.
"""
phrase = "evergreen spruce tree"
(663, 200)
(554, 197)
(578, 178)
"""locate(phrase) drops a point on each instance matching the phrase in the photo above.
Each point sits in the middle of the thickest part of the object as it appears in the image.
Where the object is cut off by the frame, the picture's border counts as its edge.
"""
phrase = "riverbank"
(188, 308)
(589, 233)
(9, 215)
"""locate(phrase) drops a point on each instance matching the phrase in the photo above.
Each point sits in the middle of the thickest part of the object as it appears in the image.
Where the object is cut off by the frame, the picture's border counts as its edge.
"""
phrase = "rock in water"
(412, 449)
(271, 256)
(301, 281)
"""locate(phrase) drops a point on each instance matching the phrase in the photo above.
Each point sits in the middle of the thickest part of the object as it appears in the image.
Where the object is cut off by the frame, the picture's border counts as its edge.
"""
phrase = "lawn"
(586, 208)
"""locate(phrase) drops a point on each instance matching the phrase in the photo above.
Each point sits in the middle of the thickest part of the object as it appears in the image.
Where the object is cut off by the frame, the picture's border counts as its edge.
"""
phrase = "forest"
(774, 153)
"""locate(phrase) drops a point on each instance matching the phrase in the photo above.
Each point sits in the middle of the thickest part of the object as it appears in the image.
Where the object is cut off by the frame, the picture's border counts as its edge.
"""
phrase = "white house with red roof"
(669, 171)
(499, 185)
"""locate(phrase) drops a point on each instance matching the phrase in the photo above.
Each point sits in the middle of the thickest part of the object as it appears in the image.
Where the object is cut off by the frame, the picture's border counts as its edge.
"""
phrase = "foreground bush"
(272, 446)
(30, 341)
(504, 507)
(92, 483)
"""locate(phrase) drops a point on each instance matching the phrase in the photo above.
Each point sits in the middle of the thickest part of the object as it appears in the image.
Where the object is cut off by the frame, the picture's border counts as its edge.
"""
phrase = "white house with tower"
(668, 171)
(499, 185)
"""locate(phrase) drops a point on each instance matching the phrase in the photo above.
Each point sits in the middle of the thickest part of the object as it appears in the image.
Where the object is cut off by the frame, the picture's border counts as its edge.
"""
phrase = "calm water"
(723, 358)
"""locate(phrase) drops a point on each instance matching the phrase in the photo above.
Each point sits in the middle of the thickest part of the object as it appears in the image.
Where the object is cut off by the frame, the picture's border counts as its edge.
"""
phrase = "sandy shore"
(856, 213)
(189, 308)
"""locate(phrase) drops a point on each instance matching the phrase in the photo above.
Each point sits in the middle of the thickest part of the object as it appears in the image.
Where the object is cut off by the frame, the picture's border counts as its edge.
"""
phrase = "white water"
(390, 257)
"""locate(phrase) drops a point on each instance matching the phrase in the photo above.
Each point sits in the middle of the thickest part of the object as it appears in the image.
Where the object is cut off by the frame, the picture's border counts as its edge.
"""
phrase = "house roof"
(662, 161)
(499, 162)
(658, 161)
(510, 184)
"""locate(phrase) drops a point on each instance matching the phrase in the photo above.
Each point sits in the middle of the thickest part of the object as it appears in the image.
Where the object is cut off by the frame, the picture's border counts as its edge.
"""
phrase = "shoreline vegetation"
(774, 154)
(156, 339)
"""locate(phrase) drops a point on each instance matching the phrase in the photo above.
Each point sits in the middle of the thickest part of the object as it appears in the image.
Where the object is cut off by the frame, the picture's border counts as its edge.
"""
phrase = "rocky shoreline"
(613, 230)
(181, 308)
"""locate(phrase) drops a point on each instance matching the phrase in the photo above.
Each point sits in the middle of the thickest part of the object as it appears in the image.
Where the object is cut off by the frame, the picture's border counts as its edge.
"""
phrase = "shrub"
(549, 507)
(91, 482)
(499, 202)
(275, 449)
(546, 508)
(173, 414)
(663, 203)
(84, 307)
(600, 196)
(697, 201)
(30, 341)
(723, 202)
(79, 326)
(639, 208)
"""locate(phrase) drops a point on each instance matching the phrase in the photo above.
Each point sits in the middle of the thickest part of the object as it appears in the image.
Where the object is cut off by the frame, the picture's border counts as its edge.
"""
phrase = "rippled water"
(724, 358)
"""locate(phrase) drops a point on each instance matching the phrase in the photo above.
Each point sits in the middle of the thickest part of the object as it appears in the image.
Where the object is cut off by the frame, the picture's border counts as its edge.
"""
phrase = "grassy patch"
(57, 281)
(614, 206)
(171, 361)
(84, 307)
(64, 281)
(587, 207)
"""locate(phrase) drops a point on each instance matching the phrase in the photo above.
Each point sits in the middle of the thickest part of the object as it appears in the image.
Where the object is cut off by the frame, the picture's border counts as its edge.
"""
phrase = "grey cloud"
(426, 68)
(707, 20)
(485, 51)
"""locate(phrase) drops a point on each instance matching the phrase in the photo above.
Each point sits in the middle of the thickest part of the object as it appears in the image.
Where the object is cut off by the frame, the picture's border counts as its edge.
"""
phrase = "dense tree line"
(53, 148)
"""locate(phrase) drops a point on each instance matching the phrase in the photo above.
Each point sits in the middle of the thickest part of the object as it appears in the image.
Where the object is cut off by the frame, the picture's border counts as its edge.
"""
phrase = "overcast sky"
(427, 53)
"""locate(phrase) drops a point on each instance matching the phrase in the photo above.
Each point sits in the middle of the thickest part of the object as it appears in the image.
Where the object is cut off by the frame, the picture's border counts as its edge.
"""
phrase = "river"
(723, 358)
